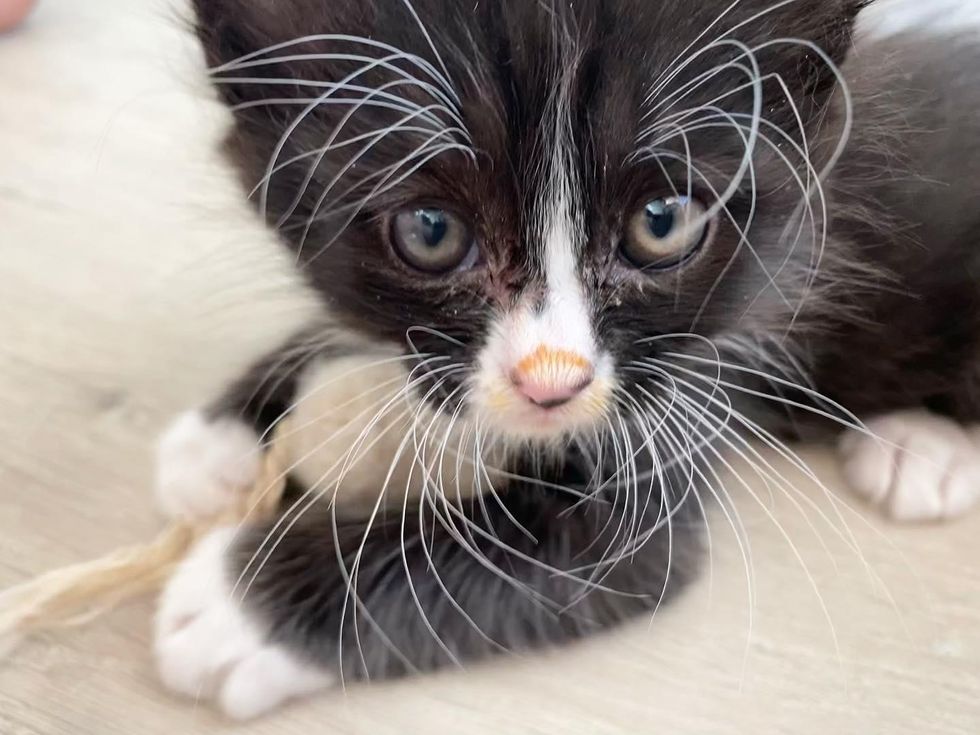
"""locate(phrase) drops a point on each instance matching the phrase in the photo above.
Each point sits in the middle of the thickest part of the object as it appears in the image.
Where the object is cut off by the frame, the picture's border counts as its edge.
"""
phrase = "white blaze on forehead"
(565, 319)
(560, 317)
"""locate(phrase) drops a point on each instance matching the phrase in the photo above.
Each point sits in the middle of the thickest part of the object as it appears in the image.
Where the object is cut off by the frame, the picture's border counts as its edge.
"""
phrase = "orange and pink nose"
(550, 377)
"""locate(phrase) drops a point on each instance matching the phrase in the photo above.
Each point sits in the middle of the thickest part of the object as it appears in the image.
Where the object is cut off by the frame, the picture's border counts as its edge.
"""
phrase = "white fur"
(885, 18)
(565, 322)
(207, 649)
(921, 467)
(204, 467)
(333, 450)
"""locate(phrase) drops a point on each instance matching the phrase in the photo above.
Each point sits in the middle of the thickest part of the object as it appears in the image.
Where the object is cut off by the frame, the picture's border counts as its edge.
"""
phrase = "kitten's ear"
(264, 60)
(838, 29)
(832, 30)
(806, 44)
(230, 30)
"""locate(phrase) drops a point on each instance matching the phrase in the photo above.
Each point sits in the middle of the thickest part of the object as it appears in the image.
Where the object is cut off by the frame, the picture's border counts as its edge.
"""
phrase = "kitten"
(571, 256)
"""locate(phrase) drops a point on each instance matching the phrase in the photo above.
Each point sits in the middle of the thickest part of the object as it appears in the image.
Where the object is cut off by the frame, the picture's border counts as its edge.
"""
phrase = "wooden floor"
(133, 281)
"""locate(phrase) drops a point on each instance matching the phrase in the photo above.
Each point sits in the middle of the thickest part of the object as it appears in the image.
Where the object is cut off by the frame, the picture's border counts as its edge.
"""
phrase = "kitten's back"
(916, 142)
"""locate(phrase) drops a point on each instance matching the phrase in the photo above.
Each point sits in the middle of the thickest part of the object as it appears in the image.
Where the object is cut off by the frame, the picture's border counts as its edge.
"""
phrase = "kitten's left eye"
(432, 240)
(665, 233)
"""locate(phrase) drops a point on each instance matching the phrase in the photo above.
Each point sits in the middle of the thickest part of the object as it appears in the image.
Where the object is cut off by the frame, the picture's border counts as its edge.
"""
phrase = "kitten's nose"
(550, 377)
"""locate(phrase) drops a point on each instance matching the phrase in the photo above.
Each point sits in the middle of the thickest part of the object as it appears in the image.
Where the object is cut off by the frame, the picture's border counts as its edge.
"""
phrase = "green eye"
(431, 240)
(665, 233)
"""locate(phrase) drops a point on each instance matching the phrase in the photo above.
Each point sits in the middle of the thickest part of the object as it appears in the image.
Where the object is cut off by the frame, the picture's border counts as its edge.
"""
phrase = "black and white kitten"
(571, 256)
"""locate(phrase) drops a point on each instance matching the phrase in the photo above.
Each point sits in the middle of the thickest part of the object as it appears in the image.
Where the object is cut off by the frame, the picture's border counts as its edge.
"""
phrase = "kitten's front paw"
(922, 467)
(204, 466)
(207, 648)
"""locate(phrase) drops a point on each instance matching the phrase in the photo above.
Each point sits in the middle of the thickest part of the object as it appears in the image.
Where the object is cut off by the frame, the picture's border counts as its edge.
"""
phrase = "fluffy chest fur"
(368, 446)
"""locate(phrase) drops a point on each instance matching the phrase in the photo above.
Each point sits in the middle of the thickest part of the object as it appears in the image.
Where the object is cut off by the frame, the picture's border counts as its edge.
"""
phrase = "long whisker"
(352, 575)
(358, 450)
(419, 461)
(764, 468)
(704, 417)
(425, 32)
(679, 67)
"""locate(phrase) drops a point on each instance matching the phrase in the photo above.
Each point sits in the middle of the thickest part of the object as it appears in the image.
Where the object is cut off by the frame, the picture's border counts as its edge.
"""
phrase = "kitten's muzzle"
(550, 378)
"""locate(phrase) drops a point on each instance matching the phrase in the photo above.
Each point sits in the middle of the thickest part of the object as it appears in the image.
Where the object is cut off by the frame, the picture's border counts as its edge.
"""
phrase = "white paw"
(204, 467)
(922, 467)
(207, 649)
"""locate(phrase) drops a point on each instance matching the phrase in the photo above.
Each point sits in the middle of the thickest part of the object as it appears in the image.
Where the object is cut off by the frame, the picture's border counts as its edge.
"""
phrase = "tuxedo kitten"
(572, 258)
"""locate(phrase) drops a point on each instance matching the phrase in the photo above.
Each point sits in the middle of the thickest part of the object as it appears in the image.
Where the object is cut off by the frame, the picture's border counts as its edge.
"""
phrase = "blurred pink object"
(12, 12)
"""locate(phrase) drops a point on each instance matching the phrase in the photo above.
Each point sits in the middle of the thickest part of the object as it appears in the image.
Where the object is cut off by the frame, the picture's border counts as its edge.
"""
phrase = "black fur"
(514, 598)
(888, 320)
(504, 59)
(905, 204)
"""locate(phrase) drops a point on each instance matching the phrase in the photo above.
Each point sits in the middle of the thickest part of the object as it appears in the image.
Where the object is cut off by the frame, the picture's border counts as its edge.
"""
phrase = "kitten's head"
(552, 201)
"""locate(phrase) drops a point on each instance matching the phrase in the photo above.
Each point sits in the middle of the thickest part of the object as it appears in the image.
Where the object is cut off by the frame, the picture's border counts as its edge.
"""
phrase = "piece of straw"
(77, 594)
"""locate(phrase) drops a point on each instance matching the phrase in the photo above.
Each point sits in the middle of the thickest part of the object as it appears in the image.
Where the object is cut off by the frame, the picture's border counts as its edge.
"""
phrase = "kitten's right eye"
(432, 240)
(665, 233)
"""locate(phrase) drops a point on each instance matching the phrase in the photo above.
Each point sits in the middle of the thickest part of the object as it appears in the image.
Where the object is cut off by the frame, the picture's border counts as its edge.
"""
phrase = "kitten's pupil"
(660, 218)
(432, 226)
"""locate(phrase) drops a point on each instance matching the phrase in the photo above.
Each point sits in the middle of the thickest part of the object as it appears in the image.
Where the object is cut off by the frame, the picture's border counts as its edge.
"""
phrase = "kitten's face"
(548, 203)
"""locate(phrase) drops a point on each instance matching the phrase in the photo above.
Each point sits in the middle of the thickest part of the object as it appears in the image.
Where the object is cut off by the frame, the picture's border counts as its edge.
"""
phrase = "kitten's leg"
(922, 467)
(426, 596)
(209, 457)
(207, 648)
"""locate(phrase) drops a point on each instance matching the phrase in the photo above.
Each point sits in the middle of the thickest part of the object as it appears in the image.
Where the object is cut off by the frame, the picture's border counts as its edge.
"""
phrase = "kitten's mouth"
(522, 419)
(558, 419)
